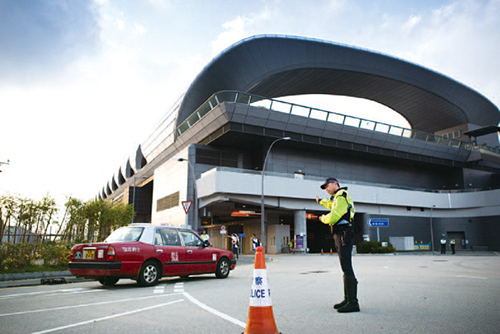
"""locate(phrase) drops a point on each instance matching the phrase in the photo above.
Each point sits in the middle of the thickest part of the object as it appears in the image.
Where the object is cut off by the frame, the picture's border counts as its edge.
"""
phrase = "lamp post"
(262, 229)
(195, 195)
(133, 196)
(432, 233)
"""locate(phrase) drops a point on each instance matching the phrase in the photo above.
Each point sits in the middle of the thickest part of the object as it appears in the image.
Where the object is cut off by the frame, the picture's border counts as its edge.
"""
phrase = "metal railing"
(323, 115)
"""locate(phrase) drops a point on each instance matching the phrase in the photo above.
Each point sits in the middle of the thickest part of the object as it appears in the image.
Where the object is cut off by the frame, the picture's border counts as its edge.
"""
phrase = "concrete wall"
(170, 177)
(300, 193)
(350, 167)
(479, 231)
(409, 211)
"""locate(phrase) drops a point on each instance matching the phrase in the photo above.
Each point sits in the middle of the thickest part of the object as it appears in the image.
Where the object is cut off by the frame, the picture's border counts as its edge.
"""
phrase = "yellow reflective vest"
(341, 206)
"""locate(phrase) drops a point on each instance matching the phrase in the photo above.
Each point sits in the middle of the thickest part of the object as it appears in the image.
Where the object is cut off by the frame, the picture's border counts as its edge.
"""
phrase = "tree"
(92, 220)
(28, 216)
(85, 219)
(8, 207)
(104, 217)
(74, 219)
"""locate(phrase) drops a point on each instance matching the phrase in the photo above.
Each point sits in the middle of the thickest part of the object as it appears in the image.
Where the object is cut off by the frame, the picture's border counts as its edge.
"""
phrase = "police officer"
(452, 245)
(340, 219)
(204, 236)
(443, 244)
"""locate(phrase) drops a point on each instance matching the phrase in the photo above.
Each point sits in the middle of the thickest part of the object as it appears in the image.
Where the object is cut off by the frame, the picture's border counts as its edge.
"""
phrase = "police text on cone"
(260, 314)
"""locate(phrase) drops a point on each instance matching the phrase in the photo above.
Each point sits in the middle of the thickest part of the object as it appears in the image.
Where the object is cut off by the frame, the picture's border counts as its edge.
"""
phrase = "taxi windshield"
(125, 234)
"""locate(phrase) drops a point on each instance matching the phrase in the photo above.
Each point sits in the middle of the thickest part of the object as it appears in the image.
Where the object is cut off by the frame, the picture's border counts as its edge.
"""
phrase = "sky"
(84, 83)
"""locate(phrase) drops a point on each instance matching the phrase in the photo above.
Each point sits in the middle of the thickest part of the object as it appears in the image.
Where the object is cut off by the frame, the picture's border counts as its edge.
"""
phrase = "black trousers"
(344, 249)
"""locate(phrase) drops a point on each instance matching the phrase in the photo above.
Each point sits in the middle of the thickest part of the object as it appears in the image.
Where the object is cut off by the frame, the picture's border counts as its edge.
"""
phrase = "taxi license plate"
(89, 254)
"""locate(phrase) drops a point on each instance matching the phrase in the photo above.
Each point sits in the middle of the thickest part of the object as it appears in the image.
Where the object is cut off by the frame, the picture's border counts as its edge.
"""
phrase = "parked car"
(146, 253)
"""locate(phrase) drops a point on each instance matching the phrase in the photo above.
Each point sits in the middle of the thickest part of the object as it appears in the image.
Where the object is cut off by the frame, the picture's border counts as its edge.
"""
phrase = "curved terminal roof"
(274, 66)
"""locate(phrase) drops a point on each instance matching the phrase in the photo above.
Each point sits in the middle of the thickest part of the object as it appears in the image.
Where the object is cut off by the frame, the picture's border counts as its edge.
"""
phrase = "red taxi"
(146, 253)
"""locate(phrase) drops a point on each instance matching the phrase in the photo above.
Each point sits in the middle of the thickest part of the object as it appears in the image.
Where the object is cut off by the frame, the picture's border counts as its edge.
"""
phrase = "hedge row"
(374, 247)
(27, 256)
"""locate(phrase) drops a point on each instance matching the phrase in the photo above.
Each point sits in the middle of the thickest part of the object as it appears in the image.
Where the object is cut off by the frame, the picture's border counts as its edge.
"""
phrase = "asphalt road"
(397, 293)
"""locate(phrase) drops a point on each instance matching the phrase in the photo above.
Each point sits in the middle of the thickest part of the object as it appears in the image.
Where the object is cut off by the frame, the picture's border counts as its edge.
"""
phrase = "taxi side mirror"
(206, 243)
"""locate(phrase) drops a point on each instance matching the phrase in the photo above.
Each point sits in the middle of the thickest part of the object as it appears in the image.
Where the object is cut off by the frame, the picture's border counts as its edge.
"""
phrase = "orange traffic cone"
(321, 251)
(260, 315)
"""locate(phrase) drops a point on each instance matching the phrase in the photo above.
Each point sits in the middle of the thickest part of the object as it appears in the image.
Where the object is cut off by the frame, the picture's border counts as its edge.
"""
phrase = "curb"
(39, 278)
(40, 274)
(42, 281)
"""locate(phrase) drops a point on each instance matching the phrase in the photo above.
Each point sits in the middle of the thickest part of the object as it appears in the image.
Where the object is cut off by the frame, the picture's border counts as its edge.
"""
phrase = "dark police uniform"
(340, 217)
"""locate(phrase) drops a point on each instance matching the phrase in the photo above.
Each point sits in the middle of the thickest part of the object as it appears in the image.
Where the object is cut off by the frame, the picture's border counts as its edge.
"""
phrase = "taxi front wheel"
(149, 274)
(223, 268)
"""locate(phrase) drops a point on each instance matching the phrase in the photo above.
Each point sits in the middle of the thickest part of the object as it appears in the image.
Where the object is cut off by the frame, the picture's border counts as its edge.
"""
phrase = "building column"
(270, 219)
(300, 227)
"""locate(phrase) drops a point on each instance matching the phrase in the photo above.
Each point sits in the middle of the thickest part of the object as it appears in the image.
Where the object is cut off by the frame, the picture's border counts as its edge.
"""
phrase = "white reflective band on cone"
(261, 293)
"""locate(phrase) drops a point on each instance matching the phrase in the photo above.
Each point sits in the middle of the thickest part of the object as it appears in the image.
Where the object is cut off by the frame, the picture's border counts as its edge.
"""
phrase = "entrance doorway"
(319, 237)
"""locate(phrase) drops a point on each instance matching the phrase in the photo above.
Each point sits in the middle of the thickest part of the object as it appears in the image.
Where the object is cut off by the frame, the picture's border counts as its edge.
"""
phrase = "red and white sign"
(311, 216)
(244, 213)
(187, 205)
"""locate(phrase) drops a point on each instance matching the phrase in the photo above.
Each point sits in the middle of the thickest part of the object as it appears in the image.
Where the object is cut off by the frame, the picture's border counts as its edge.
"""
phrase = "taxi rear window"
(125, 234)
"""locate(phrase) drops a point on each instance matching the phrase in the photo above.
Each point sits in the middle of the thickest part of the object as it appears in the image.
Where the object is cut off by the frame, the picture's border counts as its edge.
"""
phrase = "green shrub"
(4, 254)
(20, 257)
(374, 247)
(54, 254)
(15, 256)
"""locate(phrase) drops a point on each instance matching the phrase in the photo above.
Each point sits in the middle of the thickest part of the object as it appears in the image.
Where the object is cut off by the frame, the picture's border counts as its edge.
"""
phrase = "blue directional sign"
(379, 222)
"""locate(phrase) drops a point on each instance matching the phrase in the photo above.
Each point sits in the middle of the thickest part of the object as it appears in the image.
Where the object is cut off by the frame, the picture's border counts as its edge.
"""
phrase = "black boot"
(344, 302)
(352, 293)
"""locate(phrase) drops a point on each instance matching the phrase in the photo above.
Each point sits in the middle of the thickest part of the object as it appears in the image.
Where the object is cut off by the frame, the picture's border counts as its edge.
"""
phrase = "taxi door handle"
(159, 250)
(189, 251)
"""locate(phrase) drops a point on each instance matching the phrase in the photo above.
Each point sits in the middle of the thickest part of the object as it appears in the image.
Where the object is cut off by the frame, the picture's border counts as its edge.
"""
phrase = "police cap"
(328, 180)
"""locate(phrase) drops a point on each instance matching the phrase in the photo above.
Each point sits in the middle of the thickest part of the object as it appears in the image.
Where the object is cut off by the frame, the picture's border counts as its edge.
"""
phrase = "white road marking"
(73, 292)
(213, 311)
(108, 317)
(81, 305)
(159, 289)
(476, 277)
(42, 292)
(179, 287)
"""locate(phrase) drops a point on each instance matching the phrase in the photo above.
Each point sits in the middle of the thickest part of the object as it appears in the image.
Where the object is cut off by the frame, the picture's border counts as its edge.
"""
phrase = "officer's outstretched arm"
(326, 203)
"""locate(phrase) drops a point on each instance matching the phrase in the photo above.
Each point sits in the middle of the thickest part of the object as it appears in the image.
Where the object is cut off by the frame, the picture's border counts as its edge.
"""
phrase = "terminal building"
(439, 177)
